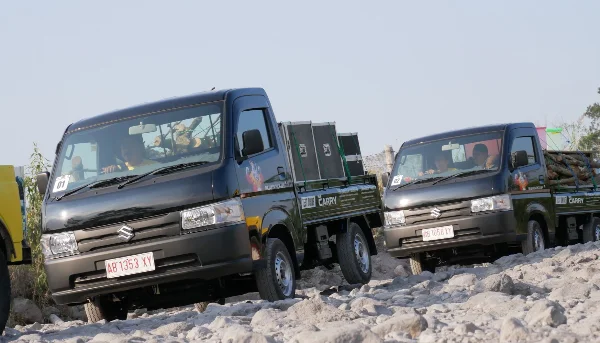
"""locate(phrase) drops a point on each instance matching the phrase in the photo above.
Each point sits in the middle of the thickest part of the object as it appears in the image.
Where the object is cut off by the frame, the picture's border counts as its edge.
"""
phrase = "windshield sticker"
(255, 177)
(396, 180)
(327, 149)
(61, 183)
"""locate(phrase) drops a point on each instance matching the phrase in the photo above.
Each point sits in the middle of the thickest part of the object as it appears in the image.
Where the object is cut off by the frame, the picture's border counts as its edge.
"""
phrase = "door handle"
(541, 178)
(280, 170)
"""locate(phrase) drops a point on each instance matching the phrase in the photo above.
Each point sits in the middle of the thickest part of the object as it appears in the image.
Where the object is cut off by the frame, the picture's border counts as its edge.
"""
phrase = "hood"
(153, 196)
(427, 194)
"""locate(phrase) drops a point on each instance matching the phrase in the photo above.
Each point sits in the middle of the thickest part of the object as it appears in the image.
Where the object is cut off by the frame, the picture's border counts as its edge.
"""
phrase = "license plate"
(128, 265)
(438, 233)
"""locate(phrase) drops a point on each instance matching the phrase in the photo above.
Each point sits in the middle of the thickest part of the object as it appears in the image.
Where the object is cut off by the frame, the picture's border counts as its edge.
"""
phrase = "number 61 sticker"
(61, 183)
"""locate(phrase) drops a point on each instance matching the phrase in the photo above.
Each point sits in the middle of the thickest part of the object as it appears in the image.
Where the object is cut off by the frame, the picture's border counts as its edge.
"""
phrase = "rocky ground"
(549, 296)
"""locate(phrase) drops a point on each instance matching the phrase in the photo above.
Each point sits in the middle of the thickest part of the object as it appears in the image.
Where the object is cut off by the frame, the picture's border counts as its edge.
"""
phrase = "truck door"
(529, 176)
(527, 182)
(262, 170)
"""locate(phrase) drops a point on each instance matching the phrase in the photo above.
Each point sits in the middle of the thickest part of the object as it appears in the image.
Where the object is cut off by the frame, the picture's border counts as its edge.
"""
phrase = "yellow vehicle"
(13, 248)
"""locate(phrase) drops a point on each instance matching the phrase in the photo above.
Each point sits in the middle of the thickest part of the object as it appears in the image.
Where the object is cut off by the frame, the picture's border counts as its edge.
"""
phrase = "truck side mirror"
(42, 182)
(385, 177)
(253, 143)
(519, 159)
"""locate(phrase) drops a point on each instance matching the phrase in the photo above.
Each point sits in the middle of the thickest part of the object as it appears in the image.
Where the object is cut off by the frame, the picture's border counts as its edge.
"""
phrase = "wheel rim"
(283, 273)
(361, 253)
(538, 240)
(597, 233)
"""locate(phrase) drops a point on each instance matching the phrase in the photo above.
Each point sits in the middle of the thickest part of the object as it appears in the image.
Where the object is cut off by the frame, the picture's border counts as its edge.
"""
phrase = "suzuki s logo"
(125, 233)
(436, 213)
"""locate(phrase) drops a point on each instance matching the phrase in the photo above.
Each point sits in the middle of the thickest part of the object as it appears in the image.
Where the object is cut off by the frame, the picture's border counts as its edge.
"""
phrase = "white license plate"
(438, 233)
(128, 265)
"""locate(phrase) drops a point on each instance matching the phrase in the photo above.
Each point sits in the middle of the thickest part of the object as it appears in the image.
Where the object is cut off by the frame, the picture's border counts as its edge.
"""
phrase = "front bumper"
(203, 255)
(480, 229)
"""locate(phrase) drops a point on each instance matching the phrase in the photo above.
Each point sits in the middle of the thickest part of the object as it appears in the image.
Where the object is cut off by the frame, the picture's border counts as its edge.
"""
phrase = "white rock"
(496, 283)
(172, 329)
(513, 330)
(27, 310)
(402, 270)
(546, 312)
(349, 333)
(441, 276)
(239, 334)
(463, 280)
(413, 324)
(463, 329)
(369, 306)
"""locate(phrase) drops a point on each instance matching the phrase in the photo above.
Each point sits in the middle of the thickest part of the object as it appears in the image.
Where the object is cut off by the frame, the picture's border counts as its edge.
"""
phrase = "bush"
(29, 281)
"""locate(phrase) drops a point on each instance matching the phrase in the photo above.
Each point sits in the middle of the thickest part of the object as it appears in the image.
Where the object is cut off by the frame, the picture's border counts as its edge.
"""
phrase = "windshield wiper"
(163, 170)
(94, 184)
(414, 182)
(470, 172)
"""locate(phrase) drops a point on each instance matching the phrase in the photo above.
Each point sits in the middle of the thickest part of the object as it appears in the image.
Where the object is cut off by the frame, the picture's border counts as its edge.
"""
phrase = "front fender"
(535, 208)
(280, 216)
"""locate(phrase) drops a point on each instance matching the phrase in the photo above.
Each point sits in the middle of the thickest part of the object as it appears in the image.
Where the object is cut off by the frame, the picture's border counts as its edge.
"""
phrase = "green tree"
(590, 140)
(38, 164)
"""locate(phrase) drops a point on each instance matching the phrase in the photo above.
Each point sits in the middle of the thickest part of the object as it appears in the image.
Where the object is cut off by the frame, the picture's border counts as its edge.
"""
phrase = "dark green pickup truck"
(481, 190)
(198, 198)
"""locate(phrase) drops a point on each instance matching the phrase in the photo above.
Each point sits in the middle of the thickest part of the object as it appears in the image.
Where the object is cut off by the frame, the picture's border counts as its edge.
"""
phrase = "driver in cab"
(133, 153)
(441, 163)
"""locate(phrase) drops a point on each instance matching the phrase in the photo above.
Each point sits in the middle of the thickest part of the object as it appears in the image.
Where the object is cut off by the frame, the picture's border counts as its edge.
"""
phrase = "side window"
(253, 120)
(411, 166)
(525, 143)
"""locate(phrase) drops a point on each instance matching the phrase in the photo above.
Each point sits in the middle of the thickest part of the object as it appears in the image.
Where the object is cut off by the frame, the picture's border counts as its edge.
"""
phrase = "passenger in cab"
(481, 157)
(133, 153)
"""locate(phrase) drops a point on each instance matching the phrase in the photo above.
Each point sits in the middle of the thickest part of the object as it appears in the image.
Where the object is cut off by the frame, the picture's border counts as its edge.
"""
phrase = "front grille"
(98, 277)
(144, 230)
(422, 215)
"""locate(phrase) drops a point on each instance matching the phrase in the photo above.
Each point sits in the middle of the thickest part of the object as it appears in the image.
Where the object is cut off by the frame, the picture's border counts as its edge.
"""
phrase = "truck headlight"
(226, 212)
(59, 245)
(394, 218)
(495, 203)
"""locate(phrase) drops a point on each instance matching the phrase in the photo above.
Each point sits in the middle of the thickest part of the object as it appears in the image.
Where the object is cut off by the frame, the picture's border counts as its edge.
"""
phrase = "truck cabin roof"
(467, 131)
(162, 105)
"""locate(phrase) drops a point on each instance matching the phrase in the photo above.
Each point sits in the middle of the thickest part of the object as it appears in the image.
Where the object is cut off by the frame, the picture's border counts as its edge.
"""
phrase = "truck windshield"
(446, 157)
(137, 145)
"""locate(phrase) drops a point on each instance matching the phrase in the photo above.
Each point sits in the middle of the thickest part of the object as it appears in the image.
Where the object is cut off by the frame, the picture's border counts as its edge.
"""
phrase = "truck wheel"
(354, 255)
(419, 264)
(591, 231)
(535, 238)
(201, 306)
(277, 281)
(4, 291)
(102, 308)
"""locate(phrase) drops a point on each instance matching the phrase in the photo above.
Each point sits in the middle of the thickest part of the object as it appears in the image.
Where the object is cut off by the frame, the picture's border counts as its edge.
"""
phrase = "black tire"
(103, 308)
(4, 291)
(277, 281)
(591, 231)
(354, 255)
(419, 264)
(536, 239)
(201, 306)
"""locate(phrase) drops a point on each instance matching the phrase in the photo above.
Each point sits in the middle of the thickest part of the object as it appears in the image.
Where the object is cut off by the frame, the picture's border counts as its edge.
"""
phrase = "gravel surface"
(549, 296)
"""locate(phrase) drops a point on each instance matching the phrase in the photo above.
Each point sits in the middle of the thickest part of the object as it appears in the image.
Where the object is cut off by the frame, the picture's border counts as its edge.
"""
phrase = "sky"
(389, 70)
